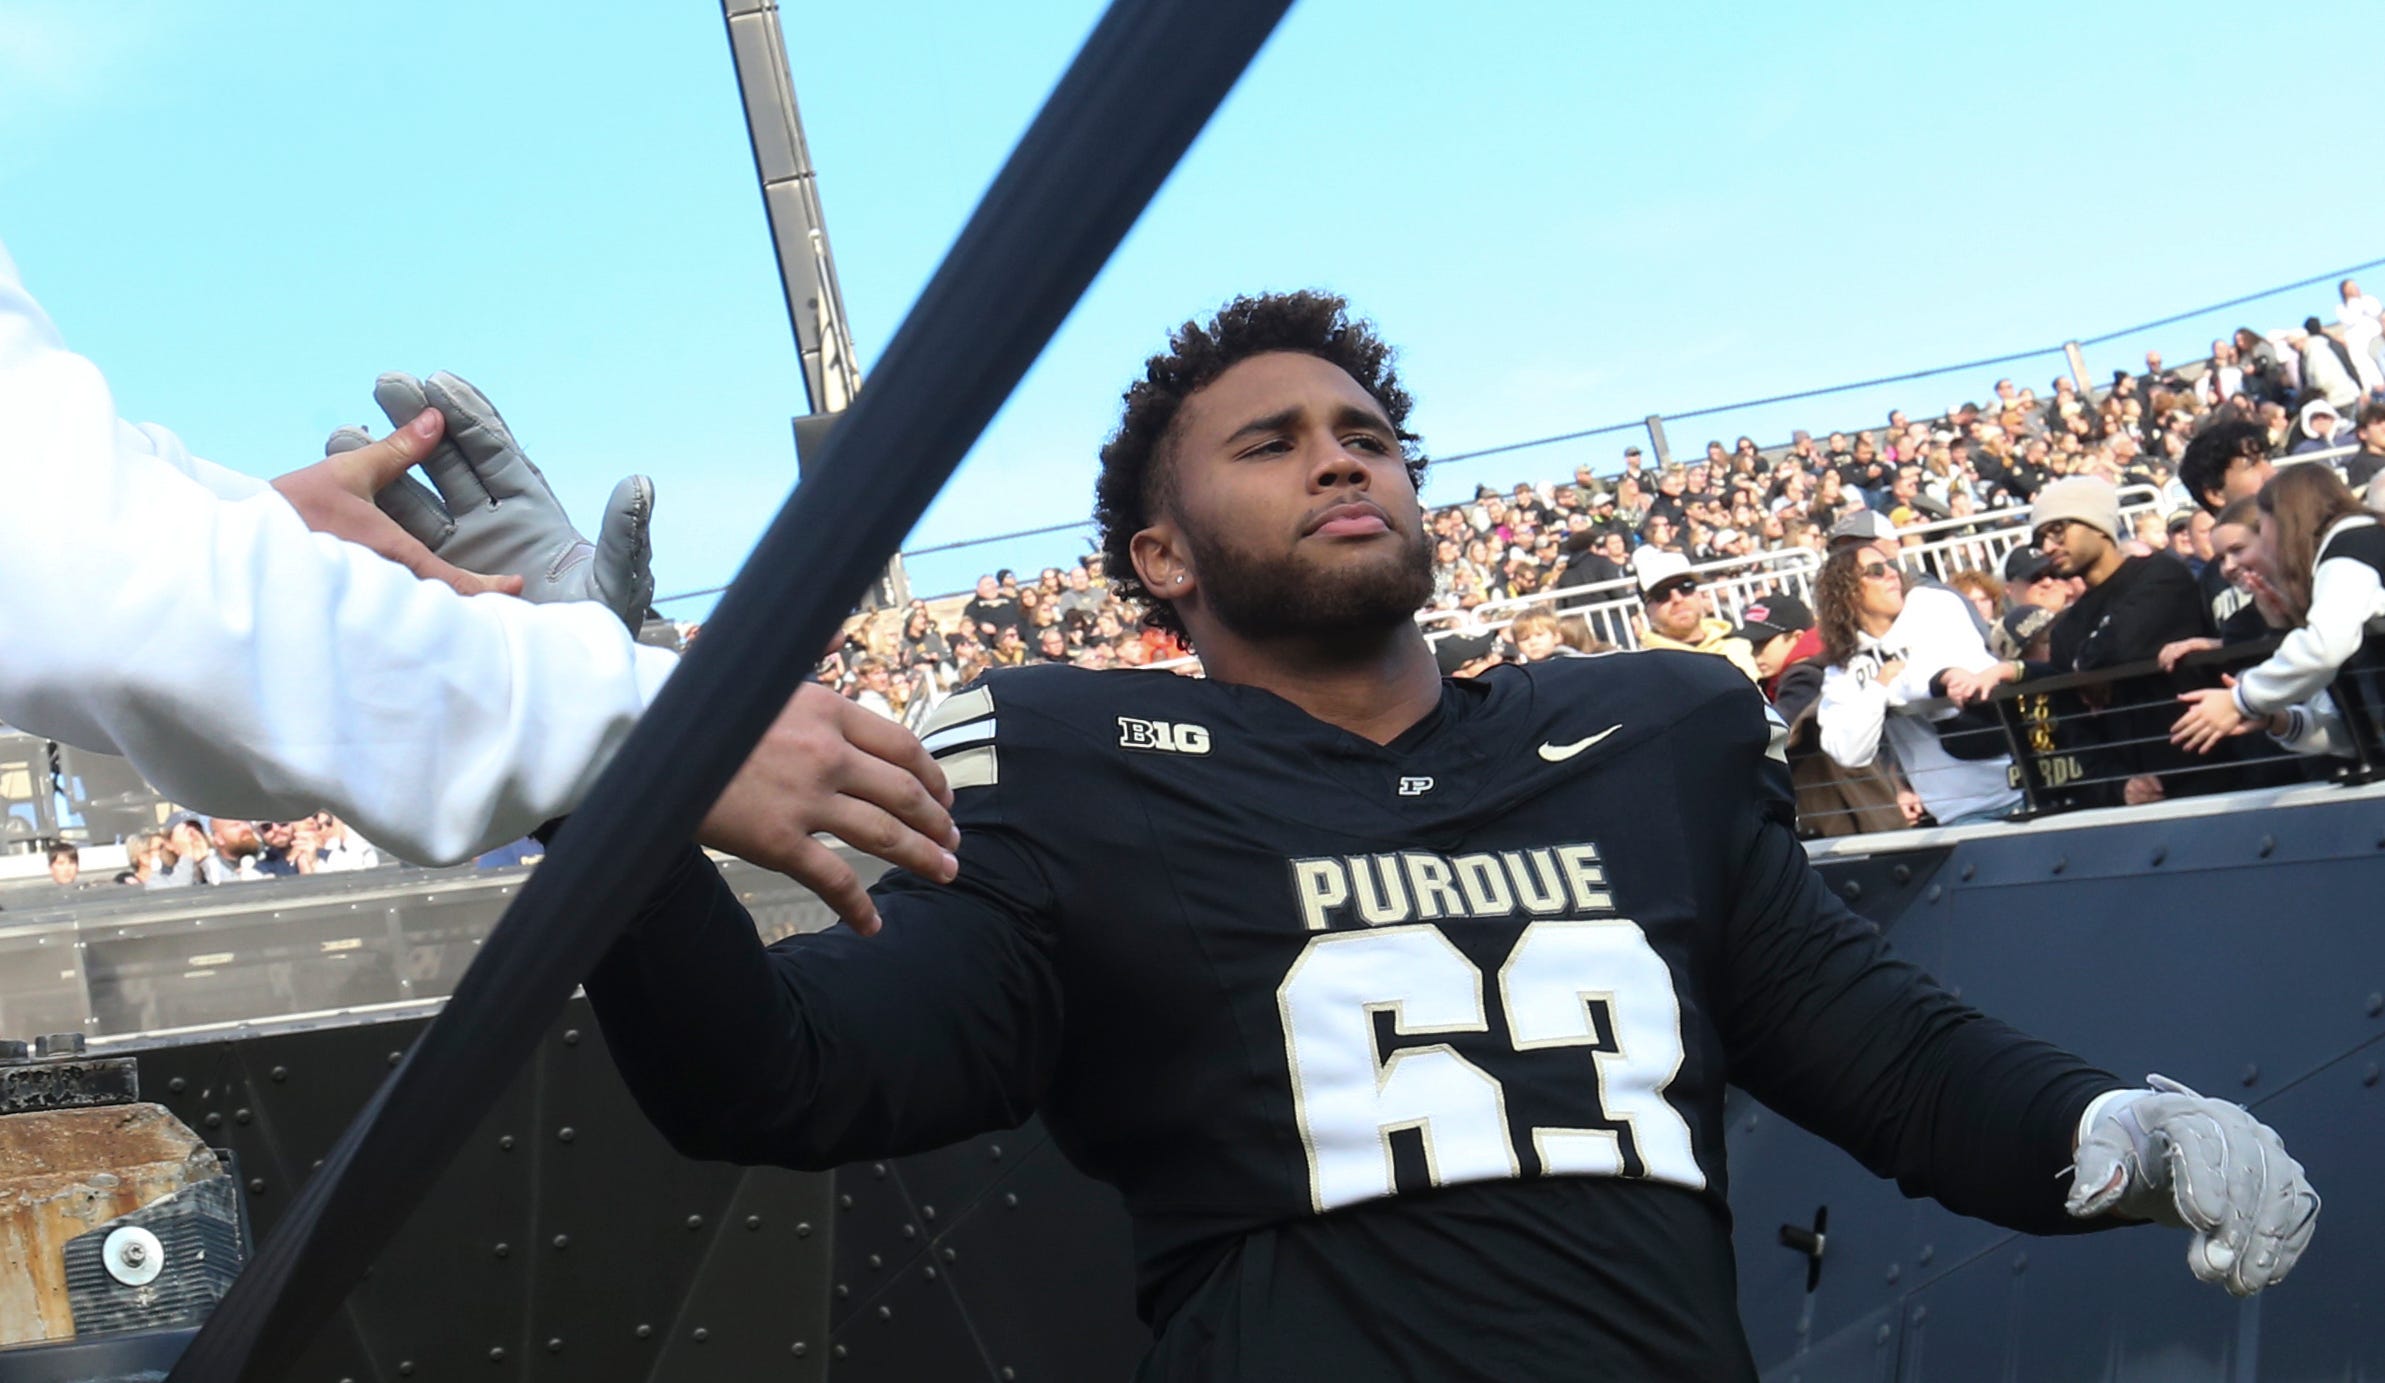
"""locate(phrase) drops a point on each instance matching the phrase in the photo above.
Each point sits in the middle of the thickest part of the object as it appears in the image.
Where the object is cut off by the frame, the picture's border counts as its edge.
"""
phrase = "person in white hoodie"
(2324, 555)
(1887, 652)
(252, 668)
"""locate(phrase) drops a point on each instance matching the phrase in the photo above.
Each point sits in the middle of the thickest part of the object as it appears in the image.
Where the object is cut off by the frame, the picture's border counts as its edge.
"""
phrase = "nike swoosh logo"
(1559, 753)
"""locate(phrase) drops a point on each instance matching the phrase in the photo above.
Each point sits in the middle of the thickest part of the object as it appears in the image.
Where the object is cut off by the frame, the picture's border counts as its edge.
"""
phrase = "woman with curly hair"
(1885, 660)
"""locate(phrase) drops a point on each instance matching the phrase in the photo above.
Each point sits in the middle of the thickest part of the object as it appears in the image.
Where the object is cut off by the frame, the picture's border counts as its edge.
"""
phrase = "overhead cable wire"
(2175, 318)
(1610, 429)
(1145, 83)
(1910, 376)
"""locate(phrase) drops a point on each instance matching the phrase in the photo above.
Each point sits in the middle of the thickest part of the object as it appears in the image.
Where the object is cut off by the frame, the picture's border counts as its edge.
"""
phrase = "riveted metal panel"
(945, 1183)
(475, 1285)
(2235, 950)
(761, 1291)
(878, 1234)
(2117, 1308)
(914, 1331)
(621, 1221)
(2327, 1321)
(1042, 1234)
(1862, 1351)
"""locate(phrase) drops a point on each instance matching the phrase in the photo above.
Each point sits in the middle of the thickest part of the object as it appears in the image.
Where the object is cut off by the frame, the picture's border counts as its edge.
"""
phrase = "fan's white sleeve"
(159, 607)
(1851, 712)
(1941, 639)
(2316, 727)
(2345, 594)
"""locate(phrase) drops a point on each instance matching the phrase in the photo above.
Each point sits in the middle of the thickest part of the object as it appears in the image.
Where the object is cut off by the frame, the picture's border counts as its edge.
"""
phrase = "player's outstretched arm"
(829, 1047)
(2206, 1166)
(1828, 1027)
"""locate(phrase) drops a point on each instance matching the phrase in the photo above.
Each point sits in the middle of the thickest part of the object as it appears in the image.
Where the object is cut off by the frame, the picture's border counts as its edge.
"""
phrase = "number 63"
(1349, 1100)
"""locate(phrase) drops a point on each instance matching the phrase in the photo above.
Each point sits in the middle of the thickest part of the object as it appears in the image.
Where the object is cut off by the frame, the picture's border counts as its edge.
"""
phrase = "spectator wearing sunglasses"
(1886, 661)
(1677, 615)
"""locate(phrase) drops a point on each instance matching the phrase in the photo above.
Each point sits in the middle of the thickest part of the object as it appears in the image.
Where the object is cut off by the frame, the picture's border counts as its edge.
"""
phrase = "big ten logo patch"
(1162, 737)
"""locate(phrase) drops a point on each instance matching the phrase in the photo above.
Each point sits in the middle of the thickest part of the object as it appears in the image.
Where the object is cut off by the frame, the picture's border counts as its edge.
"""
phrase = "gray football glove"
(2206, 1166)
(493, 513)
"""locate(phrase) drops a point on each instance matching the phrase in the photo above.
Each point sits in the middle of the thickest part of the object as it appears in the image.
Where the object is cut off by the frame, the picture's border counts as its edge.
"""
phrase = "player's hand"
(493, 510)
(1908, 803)
(2211, 716)
(335, 496)
(2142, 789)
(2206, 1166)
(828, 765)
(2172, 652)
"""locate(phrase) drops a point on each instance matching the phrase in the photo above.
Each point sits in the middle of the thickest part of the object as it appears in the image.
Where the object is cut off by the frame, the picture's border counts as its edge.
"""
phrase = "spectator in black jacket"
(1593, 558)
(2133, 606)
(991, 610)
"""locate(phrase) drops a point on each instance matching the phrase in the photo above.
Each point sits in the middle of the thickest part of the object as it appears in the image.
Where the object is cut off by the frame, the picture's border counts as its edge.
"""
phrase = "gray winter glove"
(2206, 1166)
(493, 513)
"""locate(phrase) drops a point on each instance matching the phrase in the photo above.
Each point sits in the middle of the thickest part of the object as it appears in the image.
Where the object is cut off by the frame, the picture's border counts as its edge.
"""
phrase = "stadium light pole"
(1130, 104)
(824, 348)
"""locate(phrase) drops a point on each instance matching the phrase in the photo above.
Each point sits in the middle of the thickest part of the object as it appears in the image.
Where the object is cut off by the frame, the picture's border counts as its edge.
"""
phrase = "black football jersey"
(1391, 1049)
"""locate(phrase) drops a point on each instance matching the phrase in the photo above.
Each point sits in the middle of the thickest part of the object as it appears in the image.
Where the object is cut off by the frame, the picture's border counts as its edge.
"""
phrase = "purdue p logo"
(1161, 737)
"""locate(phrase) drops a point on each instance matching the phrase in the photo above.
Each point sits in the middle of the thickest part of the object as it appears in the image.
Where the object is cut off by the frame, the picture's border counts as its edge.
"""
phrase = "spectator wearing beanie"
(2131, 608)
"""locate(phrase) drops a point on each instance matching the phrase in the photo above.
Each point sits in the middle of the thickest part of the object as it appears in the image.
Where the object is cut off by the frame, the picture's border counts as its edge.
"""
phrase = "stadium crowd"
(192, 850)
(1629, 556)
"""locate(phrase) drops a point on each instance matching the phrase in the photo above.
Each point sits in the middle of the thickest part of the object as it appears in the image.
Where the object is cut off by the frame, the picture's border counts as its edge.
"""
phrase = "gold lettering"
(1537, 885)
(1584, 876)
(1377, 909)
(1428, 879)
(1484, 884)
(1323, 886)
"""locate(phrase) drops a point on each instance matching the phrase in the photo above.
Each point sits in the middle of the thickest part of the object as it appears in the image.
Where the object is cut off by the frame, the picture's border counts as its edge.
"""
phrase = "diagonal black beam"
(1142, 87)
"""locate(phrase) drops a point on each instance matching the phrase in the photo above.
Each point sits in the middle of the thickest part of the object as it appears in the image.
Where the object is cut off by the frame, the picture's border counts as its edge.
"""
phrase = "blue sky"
(1564, 214)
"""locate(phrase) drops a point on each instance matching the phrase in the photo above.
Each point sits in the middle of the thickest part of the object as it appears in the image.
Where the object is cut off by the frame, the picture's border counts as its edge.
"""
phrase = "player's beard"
(1273, 598)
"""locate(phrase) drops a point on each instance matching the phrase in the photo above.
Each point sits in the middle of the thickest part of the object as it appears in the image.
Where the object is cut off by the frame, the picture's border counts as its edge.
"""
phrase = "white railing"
(1976, 542)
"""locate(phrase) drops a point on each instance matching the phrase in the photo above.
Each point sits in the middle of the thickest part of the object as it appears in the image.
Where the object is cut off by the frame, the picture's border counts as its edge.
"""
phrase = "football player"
(1399, 1008)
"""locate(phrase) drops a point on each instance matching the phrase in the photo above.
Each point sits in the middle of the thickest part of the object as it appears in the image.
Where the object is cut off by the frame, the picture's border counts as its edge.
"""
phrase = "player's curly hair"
(1134, 472)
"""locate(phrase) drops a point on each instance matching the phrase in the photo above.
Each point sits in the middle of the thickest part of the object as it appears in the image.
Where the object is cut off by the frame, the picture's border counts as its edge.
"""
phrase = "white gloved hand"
(2206, 1166)
(493, 512)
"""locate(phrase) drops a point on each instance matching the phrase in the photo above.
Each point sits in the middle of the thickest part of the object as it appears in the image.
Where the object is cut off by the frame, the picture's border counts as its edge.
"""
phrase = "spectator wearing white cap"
(1677, 617)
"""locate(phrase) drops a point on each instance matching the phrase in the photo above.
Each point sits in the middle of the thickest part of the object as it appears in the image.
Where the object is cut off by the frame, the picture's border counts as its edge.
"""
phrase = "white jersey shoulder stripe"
(971, 768)
(958, 709)
(942, 741)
